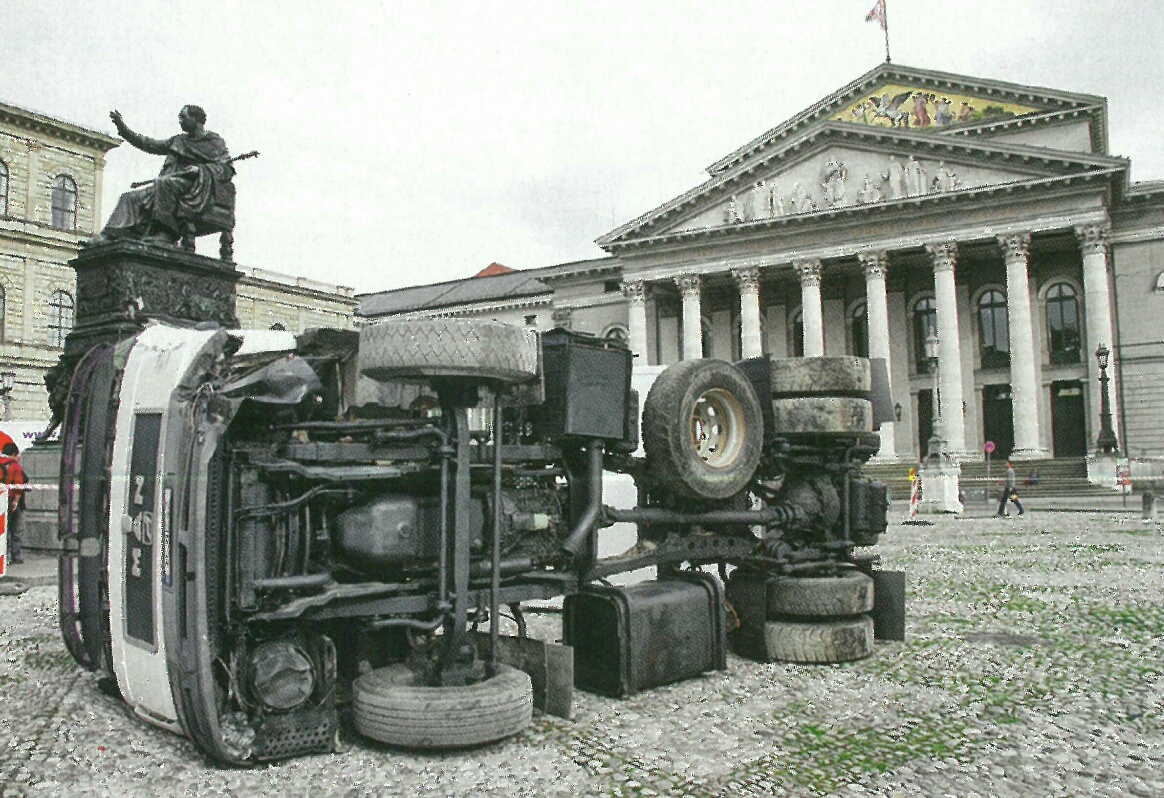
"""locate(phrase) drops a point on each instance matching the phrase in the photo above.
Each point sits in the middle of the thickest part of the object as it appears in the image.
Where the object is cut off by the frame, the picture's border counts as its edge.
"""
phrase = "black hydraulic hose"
(589, 520)
(290, 504)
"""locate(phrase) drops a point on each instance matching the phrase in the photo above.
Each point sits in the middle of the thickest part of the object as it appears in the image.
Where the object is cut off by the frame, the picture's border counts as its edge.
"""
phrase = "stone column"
(748, 280)
(1025, 374)
(877, 306)
(1093, 243)
(635, 292)
(810, 310)
(561, 317)
(949, 347)
(692, 316)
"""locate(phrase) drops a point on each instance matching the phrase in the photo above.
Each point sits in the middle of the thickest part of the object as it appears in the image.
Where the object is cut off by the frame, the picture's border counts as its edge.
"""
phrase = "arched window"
(3, 189)
(993, 330)
(617, 334)
(925, 321)
(1063, 323)
(60, 319)
(859, 329)
(796, 328)
(64, 203)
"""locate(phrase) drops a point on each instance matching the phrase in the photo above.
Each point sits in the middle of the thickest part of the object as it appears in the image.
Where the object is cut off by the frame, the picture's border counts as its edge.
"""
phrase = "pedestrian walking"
(1009, 493)
(13, 474)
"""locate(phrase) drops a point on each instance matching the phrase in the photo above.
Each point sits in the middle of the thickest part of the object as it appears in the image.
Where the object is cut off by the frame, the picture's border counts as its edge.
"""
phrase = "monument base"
(940, 489)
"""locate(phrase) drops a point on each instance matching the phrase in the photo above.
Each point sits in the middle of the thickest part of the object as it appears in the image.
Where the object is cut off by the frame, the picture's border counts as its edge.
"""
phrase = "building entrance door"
(925, 421)
(998, 419)
(1068, 435)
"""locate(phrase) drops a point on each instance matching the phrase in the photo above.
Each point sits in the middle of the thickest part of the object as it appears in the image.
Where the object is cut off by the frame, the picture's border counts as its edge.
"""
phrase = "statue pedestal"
(940, 488)
(122, 284)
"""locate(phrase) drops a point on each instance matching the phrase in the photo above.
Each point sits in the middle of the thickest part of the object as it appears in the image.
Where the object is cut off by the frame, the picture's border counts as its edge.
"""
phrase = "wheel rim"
(717, 428)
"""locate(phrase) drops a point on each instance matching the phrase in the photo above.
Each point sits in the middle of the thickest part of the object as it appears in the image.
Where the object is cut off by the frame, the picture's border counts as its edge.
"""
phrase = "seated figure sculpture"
(193, 194)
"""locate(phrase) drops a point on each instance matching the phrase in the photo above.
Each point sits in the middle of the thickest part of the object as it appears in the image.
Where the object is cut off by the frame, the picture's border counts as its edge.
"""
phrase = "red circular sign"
(989, 447)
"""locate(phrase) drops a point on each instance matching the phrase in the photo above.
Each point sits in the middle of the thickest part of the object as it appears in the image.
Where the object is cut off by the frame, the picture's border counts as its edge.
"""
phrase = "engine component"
(702, 429)
(397, 529)
(282, 675)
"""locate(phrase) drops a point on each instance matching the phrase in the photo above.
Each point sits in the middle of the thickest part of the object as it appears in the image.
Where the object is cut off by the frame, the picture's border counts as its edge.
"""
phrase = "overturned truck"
(269, 538)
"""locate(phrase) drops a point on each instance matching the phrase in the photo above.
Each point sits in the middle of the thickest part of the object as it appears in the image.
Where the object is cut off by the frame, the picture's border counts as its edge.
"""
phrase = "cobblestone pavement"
(1032, 668)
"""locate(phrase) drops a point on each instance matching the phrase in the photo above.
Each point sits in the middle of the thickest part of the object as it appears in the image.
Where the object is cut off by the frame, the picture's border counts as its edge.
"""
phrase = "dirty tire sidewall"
(448, 348)
(667, 429)
(388, 705)
(849, 594)
(821, 642)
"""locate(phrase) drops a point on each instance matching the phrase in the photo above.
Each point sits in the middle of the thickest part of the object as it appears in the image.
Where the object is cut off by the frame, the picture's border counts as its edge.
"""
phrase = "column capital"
(747, 279)
(634, 290)
(876, 264)
(944, 255)
(809, 271)
(689, 285)
(1015, 247)
(561, 317)
(1093, 238)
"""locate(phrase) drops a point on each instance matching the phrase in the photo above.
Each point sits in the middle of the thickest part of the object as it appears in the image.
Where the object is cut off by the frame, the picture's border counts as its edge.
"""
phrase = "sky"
(405, 143)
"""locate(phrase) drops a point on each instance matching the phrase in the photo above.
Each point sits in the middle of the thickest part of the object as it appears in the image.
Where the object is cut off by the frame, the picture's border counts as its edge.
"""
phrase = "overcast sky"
(413, 142)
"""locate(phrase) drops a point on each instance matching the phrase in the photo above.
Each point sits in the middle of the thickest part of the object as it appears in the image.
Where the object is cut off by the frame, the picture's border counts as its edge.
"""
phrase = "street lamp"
(1106, 443)
(7, 383)
(935, 448)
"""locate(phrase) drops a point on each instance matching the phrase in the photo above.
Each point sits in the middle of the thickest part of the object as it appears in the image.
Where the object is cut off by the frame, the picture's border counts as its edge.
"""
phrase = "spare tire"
(392, 706)
(702, 429)
(448, 348)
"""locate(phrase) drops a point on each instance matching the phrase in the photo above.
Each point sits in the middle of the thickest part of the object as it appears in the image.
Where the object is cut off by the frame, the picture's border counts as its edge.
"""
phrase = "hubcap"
(717, 428)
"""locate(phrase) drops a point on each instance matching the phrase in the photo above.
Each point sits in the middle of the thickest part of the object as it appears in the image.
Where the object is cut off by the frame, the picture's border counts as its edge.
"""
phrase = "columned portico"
(877, 304)
(1093, 243)
(748, 282)
(636, 297)
(689, 285)
(810, 307)
(1025, 378)
(949, 347)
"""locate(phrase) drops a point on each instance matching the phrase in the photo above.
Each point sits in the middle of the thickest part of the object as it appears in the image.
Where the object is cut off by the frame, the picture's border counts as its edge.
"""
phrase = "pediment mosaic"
(898, 105)
(842, 177)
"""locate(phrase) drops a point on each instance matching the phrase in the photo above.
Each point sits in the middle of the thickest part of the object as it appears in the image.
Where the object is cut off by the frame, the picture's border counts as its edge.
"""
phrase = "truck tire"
(814, 415)
(849, 594)
(484, 350)
(822, 642)
(389, 705)
(814, 376)
(703, 429)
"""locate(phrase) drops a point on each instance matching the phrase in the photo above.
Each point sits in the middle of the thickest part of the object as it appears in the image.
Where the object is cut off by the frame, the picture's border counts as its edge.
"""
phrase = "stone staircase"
(1063, 476)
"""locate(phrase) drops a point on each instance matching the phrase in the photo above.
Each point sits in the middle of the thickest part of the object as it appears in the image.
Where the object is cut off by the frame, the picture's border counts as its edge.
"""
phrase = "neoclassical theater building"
(907, 202)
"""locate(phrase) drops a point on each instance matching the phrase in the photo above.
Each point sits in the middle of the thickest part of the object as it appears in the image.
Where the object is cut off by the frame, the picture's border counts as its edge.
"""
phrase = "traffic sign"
(989, 447)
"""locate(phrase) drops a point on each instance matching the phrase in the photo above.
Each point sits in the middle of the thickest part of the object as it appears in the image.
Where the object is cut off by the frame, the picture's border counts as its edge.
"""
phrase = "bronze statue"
(193, 194)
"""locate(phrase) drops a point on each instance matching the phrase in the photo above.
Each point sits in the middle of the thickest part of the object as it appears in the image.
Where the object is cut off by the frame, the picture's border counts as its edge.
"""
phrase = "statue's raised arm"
(191, 196)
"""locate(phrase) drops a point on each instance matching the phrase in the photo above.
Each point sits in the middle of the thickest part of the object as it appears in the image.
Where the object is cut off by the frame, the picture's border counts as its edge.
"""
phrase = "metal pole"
(885, 17)
(495, 582)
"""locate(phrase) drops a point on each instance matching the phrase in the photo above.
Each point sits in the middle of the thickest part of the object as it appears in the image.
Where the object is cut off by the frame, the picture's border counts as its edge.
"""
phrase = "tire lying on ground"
(448, 348)
(391, 706)
(848, 594)
(820, 642)
(703, 429)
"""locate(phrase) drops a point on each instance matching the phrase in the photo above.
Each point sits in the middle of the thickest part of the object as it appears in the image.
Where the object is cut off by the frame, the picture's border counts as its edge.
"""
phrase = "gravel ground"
(1032, 667)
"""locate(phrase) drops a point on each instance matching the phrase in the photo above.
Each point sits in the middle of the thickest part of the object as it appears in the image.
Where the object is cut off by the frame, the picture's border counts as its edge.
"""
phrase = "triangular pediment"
(837, 165)
(917, 106)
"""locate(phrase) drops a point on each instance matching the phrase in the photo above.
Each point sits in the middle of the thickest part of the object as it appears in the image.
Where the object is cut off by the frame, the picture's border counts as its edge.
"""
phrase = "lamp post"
(1106, 443)
(7, 383)
(936, 446)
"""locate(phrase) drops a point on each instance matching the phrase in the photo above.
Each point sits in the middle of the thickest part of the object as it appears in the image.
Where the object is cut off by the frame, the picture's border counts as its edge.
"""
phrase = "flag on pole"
(877, 14)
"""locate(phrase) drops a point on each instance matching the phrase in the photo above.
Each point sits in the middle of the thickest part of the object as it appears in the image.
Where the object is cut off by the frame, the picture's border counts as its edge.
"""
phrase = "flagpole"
(885, 20)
